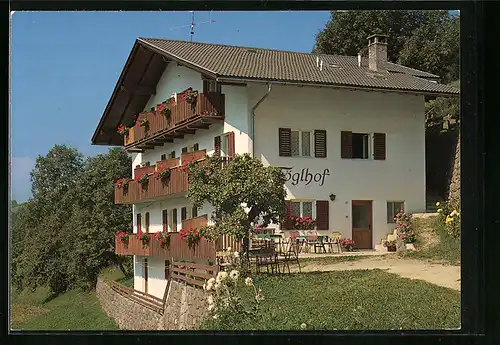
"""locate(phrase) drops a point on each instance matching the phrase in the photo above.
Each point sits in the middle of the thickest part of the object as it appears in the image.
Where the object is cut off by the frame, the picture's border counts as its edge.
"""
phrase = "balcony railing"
(184, 116)
(203, 250)
(195, 222)
(177, 183)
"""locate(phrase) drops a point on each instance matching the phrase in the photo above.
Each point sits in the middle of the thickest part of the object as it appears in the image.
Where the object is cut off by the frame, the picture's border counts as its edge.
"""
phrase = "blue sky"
(64, 66)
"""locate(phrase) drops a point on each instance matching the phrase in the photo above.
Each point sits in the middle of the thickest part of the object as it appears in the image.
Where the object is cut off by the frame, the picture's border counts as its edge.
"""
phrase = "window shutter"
(164, 220)
(320, 143)
(183, 213)
(230, 139)
(346, 144)
(163, 157)
(172, 154)
(285, 142)
(196, 147)
(379, 146)
(147, 222)
(139, 224)
(184, 149)
(194, 212)
(322, 215)
(174, 219)
(217, 145)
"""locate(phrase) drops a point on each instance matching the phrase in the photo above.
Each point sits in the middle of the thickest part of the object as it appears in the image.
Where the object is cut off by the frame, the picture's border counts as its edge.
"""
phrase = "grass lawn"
(328, 260)
(347, 300)
(73, 310)
(114, 273)
(445, 249)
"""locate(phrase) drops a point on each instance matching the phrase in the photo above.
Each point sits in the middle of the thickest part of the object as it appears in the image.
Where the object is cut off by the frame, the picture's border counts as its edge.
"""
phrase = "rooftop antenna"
(193, 24)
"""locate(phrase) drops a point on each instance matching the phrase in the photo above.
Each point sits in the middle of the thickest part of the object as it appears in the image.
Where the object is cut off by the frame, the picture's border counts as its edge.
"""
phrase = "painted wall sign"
(305, 176)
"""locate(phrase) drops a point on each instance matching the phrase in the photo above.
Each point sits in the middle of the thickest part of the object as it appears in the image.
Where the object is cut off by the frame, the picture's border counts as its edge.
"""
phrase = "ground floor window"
(393, 208)
(301, 208)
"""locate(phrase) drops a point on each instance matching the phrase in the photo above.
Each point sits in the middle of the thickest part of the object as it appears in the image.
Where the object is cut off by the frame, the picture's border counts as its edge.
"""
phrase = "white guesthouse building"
(349, 132)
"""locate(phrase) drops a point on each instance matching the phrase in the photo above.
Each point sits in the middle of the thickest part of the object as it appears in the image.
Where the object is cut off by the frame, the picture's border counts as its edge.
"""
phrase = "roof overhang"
(336, 86)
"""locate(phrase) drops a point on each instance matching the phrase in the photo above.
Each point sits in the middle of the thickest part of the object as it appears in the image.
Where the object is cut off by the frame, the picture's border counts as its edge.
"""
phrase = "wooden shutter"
(379, 146)
(285, 142)
(217, 145)
(320, 143)
(230, 146)
(174, 219)
(184, 149)
(172, 154)
(196, 147)
(346, 144)
(163, 157)
(194, 212)
(164, 220)
(322, 215)
(147, 222)
(139, 224)
(183, 213)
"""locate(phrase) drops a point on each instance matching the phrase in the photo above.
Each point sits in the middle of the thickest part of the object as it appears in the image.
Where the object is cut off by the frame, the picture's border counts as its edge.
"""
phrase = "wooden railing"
(191, 273)
(181, 112)
(195, 222)
(203, 250)
(177, 183)
(144, 299)
(226, 241)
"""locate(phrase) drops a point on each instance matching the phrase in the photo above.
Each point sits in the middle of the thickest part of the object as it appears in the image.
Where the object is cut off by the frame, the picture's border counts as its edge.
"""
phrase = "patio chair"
(334, 241)
(289, 254)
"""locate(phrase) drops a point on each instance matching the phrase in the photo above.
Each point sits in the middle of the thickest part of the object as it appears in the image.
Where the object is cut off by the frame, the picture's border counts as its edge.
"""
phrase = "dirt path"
(443, 275)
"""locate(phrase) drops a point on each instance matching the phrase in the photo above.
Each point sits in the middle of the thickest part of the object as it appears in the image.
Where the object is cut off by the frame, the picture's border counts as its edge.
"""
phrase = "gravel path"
(442, 275)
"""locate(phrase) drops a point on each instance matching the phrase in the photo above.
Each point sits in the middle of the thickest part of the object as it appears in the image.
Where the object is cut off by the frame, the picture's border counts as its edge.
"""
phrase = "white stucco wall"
(156, 275)
(400, 177)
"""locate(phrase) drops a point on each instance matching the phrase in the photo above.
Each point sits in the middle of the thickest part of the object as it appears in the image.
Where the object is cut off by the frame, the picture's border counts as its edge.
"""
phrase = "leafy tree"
(443, 111)
(425, 40)
(243, 194)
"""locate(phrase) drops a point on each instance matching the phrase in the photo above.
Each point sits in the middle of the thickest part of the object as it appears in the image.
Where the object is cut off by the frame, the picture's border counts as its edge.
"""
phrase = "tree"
(444, 112)
(243, 194)
(425, 40)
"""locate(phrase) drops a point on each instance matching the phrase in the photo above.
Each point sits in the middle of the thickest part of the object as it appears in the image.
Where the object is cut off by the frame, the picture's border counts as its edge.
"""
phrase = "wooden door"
(145, 275)
(362, 229)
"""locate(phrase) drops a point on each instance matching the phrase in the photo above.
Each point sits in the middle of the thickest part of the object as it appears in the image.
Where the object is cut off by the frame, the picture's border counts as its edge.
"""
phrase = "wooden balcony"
(176, 184)
(195, 222)
(185, 118)
(204, 250)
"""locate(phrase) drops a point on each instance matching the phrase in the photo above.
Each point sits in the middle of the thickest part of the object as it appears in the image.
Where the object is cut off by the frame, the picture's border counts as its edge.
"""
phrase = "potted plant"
(122, 130)
(347, 244)
(122, 183)
(142, 121)
(164, 110)
(390, 245)
(190, 235)
(123, 237)
(163, 174)
(190, 96)
(164, 239)
(145, 239)
(142, 179)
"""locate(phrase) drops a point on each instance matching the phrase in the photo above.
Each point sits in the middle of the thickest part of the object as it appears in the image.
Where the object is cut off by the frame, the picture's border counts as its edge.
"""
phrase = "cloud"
(20, 178)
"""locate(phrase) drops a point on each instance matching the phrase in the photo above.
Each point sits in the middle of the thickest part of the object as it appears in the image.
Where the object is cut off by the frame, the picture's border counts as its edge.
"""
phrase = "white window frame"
(392, 221)
(311, 142)
(301, 201)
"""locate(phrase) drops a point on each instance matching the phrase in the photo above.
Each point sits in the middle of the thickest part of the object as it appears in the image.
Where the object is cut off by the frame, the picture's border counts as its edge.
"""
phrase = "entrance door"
(145, 275)
(362, 231)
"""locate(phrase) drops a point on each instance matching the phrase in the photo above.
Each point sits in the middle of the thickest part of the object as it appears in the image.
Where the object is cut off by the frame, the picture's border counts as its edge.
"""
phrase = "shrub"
(404, 227)
(450, 218)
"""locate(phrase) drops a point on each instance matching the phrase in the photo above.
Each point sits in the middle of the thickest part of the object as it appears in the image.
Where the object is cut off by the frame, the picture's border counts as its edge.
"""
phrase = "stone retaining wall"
(185, 309)
(454, 191)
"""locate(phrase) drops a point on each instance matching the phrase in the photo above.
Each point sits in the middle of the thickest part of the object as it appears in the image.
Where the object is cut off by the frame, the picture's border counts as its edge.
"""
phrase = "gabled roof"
(149, 57)
(225, 61)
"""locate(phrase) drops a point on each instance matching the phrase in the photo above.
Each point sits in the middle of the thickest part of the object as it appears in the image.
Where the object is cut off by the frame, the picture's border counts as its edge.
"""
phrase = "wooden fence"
(192, 273)
(144, 299)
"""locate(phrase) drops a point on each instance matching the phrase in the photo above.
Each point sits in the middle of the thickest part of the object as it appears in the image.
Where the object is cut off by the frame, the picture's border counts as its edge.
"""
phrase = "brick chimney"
(377, 52)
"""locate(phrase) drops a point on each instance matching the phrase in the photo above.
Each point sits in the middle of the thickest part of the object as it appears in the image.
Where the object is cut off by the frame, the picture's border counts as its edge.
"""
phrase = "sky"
(64, 67)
